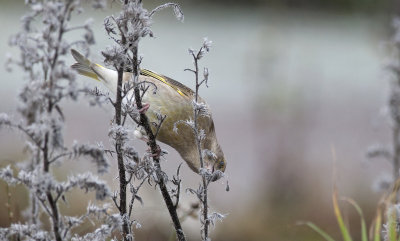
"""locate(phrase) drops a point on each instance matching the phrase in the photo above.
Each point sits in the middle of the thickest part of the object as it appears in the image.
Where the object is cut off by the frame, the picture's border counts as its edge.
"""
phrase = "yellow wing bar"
(149, 73)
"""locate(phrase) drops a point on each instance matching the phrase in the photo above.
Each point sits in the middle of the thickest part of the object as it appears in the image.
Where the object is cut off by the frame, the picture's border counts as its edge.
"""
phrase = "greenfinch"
(175, 101)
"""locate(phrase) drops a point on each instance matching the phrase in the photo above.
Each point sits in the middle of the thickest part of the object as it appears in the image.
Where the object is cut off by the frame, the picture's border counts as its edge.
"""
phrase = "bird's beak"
(210, 167)
(215, 173)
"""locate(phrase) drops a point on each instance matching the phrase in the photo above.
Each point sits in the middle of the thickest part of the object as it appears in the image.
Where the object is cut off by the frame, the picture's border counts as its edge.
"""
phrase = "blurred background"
(290, 82)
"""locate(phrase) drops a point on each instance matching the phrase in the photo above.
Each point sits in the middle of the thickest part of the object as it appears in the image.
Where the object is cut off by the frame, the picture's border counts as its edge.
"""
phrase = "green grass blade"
(339, 218)
(378, 225)
(321, 232)
(364, 233)
(392, 224)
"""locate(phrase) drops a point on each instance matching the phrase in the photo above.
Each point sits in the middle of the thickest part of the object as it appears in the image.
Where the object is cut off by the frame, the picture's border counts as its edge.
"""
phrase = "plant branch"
(204, 196)
(144, 122)
(120, 158)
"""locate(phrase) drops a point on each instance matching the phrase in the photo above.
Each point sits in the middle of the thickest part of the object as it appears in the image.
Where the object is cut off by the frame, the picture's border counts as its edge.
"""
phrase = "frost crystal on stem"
(126, 30)
(199, 110)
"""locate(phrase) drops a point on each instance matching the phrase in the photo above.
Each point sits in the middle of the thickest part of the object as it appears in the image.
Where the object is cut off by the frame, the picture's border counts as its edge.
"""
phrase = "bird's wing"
(182, 89)
(85, 67)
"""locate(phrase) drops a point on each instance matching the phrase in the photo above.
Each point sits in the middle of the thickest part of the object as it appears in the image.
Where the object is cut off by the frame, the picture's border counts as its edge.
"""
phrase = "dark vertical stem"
(196, 65)
(198, 142)
(46, 155)
(118, 148)
(46, 168)
(45, 149)
(144, 122)
(54, 210)
(205, 209)
(120, 158)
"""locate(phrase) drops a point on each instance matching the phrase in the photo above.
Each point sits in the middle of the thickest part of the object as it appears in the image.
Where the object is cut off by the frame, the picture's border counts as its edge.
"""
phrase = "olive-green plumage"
(172, 99)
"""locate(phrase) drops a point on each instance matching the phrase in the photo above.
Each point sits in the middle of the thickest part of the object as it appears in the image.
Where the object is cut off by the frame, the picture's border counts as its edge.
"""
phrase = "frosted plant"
(126, 30)
(43, 46)
(392, 154)
(390, 183)
(201, 109)
(50, 80)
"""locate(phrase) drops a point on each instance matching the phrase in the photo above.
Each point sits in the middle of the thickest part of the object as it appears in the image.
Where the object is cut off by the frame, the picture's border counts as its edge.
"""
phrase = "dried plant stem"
(49, 196)
(204, 199)
(43, 48)
(55, 216)
(118, 148)
(45, 149)
(205, 208)
(144, 122)
(131, 25)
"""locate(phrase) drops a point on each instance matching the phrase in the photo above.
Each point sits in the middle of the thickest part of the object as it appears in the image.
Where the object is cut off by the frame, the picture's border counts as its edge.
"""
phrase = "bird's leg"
(144, 108)
(157, 154)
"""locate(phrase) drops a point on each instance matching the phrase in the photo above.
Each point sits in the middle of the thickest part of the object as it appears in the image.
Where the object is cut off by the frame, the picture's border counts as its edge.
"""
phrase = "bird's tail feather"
(83, 65)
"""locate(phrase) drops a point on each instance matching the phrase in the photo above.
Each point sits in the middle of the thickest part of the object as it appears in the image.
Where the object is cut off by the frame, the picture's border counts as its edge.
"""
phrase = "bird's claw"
(156, 154)
(144, 108)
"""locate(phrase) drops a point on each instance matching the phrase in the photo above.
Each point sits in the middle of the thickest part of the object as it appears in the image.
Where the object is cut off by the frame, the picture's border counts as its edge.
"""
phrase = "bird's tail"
(83, 65)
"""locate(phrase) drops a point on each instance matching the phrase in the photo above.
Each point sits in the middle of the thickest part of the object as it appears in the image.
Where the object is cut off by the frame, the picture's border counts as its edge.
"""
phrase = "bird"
(172, 99)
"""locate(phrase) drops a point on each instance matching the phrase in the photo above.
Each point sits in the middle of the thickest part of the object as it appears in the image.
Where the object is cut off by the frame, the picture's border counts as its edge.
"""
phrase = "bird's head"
(216, 162)
(220, 164)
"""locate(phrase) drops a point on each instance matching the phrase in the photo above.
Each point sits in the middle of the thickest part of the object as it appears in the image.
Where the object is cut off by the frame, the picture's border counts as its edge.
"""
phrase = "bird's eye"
(221, 164)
